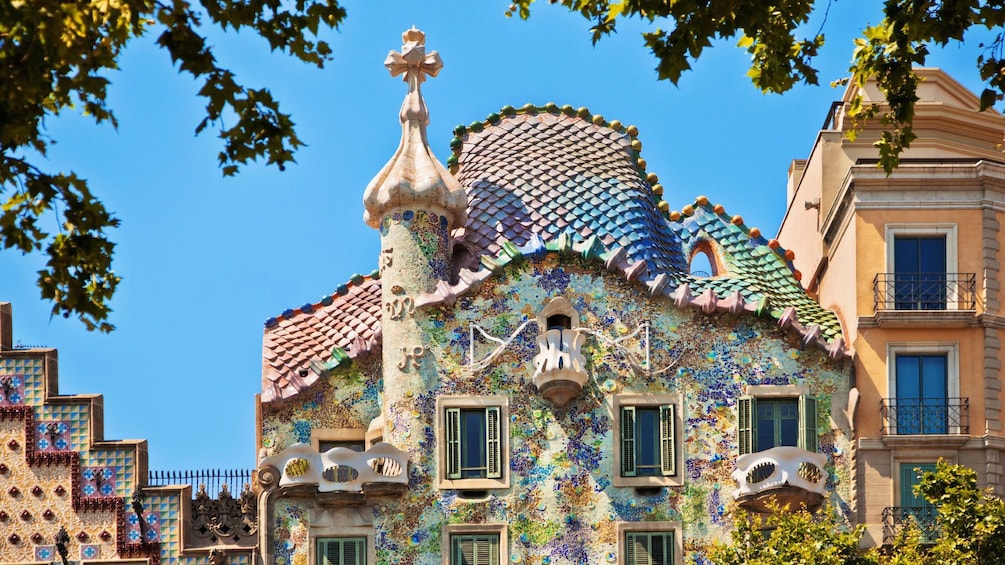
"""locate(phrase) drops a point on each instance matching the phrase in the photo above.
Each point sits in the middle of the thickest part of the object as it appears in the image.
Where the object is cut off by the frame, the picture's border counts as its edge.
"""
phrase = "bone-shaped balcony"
(379, 471)
(789, 476)
(561, 367)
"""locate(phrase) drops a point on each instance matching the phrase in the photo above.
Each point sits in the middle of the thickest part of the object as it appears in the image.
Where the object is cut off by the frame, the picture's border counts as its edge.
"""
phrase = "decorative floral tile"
(11, 389)
(90, 551)
(52, 436)
(45, 553)
(135, 533)
(99, 481)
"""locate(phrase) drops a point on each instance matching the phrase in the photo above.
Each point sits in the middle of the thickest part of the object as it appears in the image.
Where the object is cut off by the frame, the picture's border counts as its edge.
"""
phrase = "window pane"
(777, 423)
(649, 548)
(341, 551)
(648, 442)
(908, 376)
(920, 273)
(922, 390)
(933, 376)
(473, 444)
(906, 255)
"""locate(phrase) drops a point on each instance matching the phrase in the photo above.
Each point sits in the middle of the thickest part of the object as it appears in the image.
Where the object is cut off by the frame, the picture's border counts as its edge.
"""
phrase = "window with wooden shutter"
(473, 443)
(771, 422)
(668, 456)
(453, 454)
(493, 443)
(341, 551)
(747, 407)
(628, 441)
(808, 423)
(649, 548)
(474, 549)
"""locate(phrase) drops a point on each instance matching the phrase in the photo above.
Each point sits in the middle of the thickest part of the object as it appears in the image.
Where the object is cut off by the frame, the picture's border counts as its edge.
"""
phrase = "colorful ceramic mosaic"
(561, 503)
(558, 206)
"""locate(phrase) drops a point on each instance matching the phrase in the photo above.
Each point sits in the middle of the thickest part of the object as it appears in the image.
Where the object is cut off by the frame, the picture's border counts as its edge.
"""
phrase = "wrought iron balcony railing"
(925, 291)
(915, 416)
(897, 517)
(214, 480)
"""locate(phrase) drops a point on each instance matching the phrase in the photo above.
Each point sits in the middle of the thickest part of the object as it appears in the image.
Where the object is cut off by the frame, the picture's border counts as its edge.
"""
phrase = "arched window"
(702, 262)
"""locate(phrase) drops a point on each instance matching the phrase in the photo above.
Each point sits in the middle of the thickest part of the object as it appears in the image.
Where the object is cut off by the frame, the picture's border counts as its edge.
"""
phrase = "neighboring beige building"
(923, 316)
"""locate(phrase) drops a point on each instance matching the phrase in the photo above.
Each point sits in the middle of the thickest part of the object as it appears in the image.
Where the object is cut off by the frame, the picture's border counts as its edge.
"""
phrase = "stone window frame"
(337, 434)
(366, 532)
(472, 402)
(948, 230)
(951, 349)
(674, 399)
(450, 530)
(674, 527)
(779, 392)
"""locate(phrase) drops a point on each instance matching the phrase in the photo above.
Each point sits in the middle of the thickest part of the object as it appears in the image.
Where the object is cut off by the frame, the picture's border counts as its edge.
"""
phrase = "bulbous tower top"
(414, 179)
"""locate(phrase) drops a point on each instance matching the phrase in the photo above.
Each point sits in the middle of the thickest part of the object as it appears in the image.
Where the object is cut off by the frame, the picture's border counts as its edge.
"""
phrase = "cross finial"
(413, 60)
(414, 64)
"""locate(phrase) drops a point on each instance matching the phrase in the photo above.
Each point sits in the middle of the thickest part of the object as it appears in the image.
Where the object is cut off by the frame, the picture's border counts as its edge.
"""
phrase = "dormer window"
(561, 367)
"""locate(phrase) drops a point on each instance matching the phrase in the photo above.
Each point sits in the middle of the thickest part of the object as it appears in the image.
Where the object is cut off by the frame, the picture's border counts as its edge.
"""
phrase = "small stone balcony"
(788, 476)
(339, 476)
(561, 367)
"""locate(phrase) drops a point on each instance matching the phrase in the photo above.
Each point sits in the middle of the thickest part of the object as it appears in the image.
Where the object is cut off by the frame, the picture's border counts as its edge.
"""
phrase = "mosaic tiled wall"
(561, 506)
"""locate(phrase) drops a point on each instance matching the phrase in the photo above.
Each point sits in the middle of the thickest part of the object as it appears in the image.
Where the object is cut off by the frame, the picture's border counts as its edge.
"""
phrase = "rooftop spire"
(414, 178)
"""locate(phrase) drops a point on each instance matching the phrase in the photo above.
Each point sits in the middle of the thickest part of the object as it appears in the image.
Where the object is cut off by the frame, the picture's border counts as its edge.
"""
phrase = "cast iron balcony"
(790, 476)
(917, 416)
(925, 291)
(896, 517)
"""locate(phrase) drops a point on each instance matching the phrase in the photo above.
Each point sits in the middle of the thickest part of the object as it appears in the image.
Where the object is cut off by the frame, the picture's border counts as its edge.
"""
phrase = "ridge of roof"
(821, 329)
(326, 300)
(457, 142)
(754, 233)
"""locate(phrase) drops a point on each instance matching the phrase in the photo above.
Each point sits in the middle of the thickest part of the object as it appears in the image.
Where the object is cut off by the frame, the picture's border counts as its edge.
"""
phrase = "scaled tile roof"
(552, 172)
(550, 179)
(302, 344)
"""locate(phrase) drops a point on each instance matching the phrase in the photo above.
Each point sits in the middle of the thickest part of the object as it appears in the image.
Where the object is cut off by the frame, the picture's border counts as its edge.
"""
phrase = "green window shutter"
(649, 548)
(453, 443)
(628, 441)
(474, 549)
(808, 423)
(342, 551)
(493, 443)
(910, 475)
(668, 455)
(746, 423)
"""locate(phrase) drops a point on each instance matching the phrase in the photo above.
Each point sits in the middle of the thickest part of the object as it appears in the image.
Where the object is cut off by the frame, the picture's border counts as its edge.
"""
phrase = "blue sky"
(206, 260)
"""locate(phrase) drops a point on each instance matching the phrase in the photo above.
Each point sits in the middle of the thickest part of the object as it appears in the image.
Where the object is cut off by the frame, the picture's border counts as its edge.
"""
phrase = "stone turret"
(414, 180)
(415, 203)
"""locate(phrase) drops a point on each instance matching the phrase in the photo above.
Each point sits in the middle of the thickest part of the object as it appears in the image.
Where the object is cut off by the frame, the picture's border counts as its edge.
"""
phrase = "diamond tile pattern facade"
(57, 471)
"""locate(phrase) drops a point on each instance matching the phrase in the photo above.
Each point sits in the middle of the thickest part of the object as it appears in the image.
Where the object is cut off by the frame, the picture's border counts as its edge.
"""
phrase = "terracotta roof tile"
(291, 343)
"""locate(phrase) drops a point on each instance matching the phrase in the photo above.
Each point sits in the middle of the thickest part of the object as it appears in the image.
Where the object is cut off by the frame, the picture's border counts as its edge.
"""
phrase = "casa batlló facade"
(533, 374)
